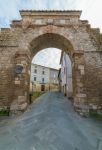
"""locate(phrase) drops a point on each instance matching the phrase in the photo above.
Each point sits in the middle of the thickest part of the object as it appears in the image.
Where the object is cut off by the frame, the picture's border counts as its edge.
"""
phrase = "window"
(43, 72)
(34, 78)
(35, 70)
(42, 79)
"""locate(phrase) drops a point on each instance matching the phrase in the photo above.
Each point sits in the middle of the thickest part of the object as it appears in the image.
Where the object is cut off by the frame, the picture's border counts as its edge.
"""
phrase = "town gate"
(43, 29)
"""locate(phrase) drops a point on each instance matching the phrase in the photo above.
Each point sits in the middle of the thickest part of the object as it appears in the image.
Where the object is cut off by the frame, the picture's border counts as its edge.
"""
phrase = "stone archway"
(43, 41)
(42, 29)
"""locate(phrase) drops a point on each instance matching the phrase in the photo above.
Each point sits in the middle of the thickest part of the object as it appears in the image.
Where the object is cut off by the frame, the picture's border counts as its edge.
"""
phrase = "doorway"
(42, 87)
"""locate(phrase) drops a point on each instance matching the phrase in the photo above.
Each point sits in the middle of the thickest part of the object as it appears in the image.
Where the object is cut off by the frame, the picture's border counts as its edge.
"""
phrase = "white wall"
(50, 75)
(54, 76)
(66, 75)
(63, 72)
(39, 74)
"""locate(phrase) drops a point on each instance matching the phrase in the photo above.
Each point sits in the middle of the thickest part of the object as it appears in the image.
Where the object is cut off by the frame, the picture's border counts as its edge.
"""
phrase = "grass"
(4, 113)
(95, 115)
(35, 95)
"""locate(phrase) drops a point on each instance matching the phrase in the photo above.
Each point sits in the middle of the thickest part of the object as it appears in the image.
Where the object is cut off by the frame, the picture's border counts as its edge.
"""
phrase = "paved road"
(50, 124)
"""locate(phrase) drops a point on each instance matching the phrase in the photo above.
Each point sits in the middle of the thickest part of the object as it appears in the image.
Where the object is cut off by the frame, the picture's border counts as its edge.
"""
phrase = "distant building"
(65, 75)
(43, 78)
(53, 79)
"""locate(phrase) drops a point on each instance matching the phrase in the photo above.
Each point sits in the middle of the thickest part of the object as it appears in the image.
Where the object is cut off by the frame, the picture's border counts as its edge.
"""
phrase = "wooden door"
(42, 87)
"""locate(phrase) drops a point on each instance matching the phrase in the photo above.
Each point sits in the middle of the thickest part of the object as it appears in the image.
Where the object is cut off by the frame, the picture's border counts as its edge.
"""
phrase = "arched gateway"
(42, 29)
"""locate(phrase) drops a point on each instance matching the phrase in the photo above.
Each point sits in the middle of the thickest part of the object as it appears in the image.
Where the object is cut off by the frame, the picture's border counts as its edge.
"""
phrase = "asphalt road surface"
(50, 123)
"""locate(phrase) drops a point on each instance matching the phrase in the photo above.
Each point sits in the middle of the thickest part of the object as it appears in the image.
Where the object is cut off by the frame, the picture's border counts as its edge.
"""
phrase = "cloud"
(91, 11)
(42, 58)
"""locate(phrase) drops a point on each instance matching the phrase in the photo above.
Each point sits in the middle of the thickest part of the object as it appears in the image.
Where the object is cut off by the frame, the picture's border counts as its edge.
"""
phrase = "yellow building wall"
(48, 87)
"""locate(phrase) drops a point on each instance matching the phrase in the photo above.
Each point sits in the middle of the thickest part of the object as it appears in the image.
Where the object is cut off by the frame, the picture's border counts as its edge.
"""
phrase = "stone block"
(81, 67)
(21, 99)
(17, 82)
(82, 72)
(23, 106)
(92, 106)
(81, 95)
(62, 21)
(80, 84)
(38, 21)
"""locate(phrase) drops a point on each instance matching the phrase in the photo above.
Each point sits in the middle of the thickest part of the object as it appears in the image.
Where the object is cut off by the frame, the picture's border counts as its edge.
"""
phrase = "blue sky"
(92, 10)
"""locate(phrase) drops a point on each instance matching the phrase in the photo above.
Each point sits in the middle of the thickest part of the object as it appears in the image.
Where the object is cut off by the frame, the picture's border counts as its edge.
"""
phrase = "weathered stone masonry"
(42, 29)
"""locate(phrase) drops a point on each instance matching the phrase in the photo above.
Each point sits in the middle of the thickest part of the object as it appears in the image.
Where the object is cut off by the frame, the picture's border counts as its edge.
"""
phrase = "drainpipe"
(65, 70)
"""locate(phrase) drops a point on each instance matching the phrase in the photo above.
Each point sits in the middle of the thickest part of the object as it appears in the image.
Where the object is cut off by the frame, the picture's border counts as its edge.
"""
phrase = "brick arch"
(49, 40)
(53, 39)
(61, 29)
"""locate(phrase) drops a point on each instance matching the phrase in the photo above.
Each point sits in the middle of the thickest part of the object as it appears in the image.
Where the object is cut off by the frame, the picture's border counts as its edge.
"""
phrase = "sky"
(91, 11)
(42, 58)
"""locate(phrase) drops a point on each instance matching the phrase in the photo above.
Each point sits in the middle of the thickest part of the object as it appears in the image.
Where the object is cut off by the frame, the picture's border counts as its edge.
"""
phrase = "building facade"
(65, 75)
(53, 80)
(43, 78)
